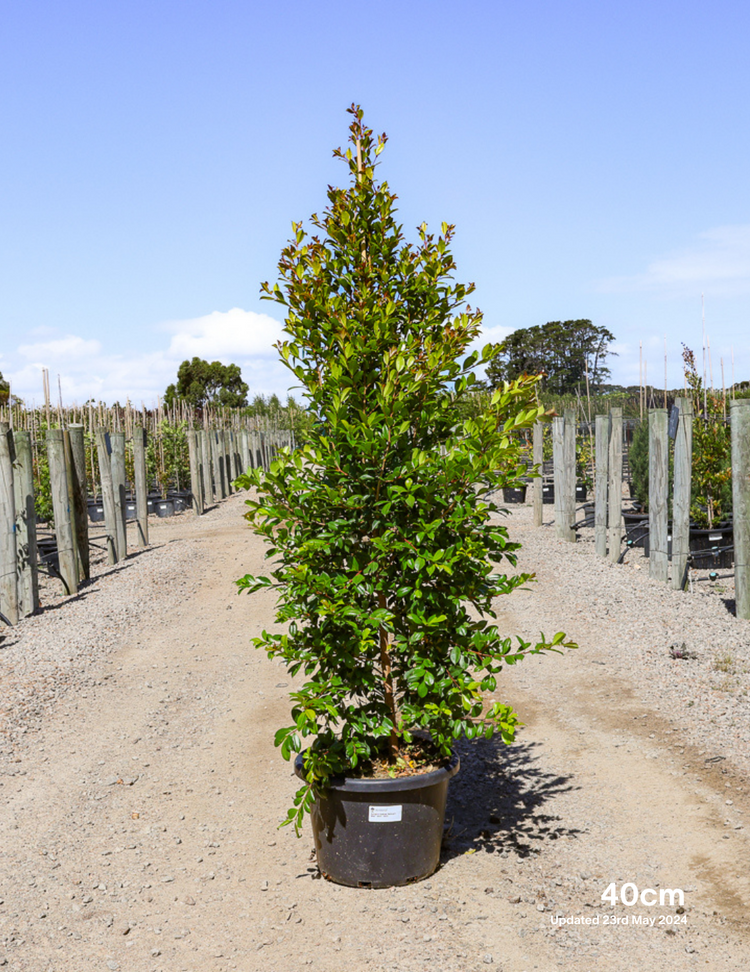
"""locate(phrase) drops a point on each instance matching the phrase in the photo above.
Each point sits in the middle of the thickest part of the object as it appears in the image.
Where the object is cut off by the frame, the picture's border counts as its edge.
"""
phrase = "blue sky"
(593, 156)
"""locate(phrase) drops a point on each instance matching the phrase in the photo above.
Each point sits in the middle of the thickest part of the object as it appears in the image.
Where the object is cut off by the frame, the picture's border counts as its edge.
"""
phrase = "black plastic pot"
(705, 544)
(380, 833)
(548, 493)
(164, 507)
(514, 494)
(647, 539)
(589, 512)
(131, 513)
(581, 492)
(96, 512)
(182, 499)
(48, 554)
(636, 528)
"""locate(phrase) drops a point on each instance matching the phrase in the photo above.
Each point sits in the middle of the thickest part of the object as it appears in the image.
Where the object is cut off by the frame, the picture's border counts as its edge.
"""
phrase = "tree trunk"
(390, 698)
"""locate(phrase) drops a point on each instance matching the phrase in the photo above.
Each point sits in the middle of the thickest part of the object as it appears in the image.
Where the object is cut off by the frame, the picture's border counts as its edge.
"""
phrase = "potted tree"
(383, 537)
(711, 532)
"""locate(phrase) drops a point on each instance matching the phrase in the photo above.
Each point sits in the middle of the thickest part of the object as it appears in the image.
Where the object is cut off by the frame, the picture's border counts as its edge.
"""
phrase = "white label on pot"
(384, 814)
(714, 536)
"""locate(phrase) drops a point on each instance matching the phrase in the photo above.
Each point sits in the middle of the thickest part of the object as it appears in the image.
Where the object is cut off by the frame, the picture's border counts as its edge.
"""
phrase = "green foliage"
(4, 390)
(43, 486)
(711, 485)
(602, 401)
(289, 416)
(167, 458)
(585, 460)
(562, 350)
(383, 551)
(201, 383)
(712, 451)
(638, 461)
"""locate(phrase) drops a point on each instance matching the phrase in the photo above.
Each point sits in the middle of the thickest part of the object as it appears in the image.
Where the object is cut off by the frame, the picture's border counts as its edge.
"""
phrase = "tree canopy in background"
(4, 390)
(561, 350)
(202, 383)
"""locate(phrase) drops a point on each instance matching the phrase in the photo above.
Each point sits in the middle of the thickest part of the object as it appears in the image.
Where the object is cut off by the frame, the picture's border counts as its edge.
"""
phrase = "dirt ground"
(139, 823)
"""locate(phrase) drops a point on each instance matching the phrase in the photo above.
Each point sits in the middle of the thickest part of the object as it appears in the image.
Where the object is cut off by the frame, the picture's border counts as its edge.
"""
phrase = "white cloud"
(493, 335)
(231, 335)
(65, 348)
(717, 263)
(88, 369)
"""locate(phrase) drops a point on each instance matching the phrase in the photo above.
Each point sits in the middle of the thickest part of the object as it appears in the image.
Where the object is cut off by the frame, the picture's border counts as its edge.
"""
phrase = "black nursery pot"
(372, 833)
(96, 512)
(581, 493)
(514, 494)
(178, 501)
(636, 527)
(548, 493)
(48, 553)
(164, 507)
(705, 544)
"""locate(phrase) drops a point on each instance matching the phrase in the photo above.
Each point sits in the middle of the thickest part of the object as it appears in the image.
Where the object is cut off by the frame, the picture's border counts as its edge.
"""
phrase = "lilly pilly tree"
(383, 544)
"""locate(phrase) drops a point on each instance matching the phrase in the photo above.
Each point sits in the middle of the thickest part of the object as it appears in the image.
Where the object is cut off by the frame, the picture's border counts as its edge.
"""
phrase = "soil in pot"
(380, 832)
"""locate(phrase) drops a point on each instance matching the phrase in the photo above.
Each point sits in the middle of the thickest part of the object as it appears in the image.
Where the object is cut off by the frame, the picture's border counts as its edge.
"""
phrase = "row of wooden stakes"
(217, 458)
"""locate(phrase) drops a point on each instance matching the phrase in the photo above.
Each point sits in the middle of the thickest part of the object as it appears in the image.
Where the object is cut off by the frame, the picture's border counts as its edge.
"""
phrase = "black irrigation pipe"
(3, 618)
(691, 557)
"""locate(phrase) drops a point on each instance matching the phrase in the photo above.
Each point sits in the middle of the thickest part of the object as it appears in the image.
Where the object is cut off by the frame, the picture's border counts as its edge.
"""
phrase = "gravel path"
(141, 790)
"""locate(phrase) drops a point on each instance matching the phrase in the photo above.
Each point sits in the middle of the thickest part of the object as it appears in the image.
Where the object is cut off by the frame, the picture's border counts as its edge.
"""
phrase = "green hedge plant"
(386, 550)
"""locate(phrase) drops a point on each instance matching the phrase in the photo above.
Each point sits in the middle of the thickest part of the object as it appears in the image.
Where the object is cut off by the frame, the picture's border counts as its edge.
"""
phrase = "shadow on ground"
(502, 801)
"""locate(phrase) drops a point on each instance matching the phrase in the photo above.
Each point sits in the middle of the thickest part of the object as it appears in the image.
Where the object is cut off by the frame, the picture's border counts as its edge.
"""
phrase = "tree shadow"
(730, 604)
(500, 800)
(83, 593)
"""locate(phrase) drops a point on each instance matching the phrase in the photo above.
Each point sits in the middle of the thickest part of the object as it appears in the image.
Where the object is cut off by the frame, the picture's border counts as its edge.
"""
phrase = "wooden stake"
(77, 467)
(8, 556)
(538, 458)
(683, 459)
(658, 480)
(66, 545)
(600, 484)
(195, 479)
(206, 473)
(561, 456)
(26, 547)
(739, 412)
(118, 483)
(614, 486)
(141, 490)
(103, 448)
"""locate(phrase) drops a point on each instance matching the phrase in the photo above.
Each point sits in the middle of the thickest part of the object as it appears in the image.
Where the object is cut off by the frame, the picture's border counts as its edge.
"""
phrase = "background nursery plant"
(383, 539)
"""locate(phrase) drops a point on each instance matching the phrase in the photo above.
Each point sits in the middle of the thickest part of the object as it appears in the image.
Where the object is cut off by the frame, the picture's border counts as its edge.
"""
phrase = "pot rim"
(349, 784)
